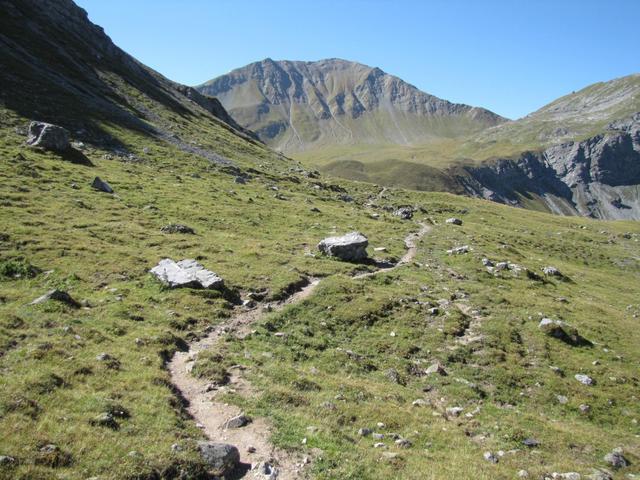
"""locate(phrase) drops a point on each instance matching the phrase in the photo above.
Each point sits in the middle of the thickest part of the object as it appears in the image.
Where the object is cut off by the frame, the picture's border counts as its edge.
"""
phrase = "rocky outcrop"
(598, 177)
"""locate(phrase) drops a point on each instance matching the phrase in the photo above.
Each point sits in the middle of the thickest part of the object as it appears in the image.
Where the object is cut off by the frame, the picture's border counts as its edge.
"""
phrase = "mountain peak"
(301, 105)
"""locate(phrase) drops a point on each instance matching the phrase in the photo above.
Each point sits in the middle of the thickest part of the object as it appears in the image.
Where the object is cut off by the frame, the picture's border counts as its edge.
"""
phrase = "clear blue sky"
(511, 56)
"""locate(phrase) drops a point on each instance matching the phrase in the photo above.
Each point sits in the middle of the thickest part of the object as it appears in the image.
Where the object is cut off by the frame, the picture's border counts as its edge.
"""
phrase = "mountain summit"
(296, 106)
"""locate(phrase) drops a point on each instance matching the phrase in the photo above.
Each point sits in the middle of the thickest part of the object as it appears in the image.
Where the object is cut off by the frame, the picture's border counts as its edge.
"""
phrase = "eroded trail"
(252, 440)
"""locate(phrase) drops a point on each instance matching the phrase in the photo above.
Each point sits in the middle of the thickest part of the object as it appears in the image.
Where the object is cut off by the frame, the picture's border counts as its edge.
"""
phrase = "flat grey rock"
(186, 274)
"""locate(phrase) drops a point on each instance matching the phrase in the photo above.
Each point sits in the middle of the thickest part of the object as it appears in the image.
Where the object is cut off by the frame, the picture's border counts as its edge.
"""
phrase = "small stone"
(176, 448)
(523, 474)
(433, 311)
(178, 228)
(454, 411)
(530, 442)
(403, 443)
(562, 399)
(453, 221)
(551, 272)
(419, 403)
(616, 459)
(584, 379)
(251, 449)
(364, 432)
(6, 460)
(436, 368)
(490, 457)
(105, 420)
(101, 185)
(487, 263)
(380, 425)
(459, 250)
(377, 436)
(237, 422)
(379, 445)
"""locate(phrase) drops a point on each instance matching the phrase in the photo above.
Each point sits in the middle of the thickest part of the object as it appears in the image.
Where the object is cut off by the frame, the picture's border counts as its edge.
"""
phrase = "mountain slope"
(296, 106)
(577, 116)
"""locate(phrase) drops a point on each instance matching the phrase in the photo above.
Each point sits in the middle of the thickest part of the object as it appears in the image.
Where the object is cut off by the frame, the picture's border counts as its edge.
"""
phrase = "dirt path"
(211, 414)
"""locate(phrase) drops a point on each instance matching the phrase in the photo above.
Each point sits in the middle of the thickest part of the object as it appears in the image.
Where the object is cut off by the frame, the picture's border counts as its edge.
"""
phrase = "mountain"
(579, 155)
(297, 106)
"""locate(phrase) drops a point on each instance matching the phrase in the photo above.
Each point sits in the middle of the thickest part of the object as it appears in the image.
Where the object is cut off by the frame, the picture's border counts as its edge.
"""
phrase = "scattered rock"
(454, 411)
(6, 460)
(454, 221)
(52, 456)
(530, 442)
(490, 457)
(584, 408)
(177, 228)
(101, 185)
(222, 458)
(433, 311)
(266, 471)
(57, 295)
(378, 436)
(584, 379)
(562, 400)
(552, 272)
(48, 136)
(237, 422)
(523, 474)
(403, 443)
(186, 274)
(379, 445)
(105, 420)
(616, 459)
(405, 213)
(240, 180)
(393, 375)
(351, 247)
(562, 331)
(487, 263)
(364, 432)
(419, 403)
(600, 474)
(566, 476)
(436, 368)
(459, 250)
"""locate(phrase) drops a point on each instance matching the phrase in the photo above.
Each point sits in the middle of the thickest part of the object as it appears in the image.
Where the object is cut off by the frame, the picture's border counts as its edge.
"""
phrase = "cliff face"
(598, 177)
(304, 105)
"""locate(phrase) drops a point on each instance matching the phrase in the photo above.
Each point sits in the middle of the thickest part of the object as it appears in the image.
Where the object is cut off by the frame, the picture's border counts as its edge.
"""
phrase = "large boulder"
(48, 136)
(186, 274)
(351, 247)
(221, 458)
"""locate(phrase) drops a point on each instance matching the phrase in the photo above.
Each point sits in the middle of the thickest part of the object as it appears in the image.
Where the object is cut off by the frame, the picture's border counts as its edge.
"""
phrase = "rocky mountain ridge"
(598, 177)
(294, 105)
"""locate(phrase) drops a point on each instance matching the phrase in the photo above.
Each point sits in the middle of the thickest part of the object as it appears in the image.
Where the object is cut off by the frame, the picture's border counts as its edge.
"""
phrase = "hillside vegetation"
(85, 391)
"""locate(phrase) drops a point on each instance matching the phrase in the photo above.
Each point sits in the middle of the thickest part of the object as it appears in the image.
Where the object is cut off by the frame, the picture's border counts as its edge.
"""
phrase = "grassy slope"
(99, 248)
(512, 383)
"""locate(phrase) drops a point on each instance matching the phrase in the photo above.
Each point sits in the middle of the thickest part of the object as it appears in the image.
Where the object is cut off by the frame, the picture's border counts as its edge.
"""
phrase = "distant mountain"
(296, 106)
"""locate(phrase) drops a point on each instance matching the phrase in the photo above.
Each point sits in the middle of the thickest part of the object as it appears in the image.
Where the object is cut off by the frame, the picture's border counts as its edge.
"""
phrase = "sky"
(510, 56)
